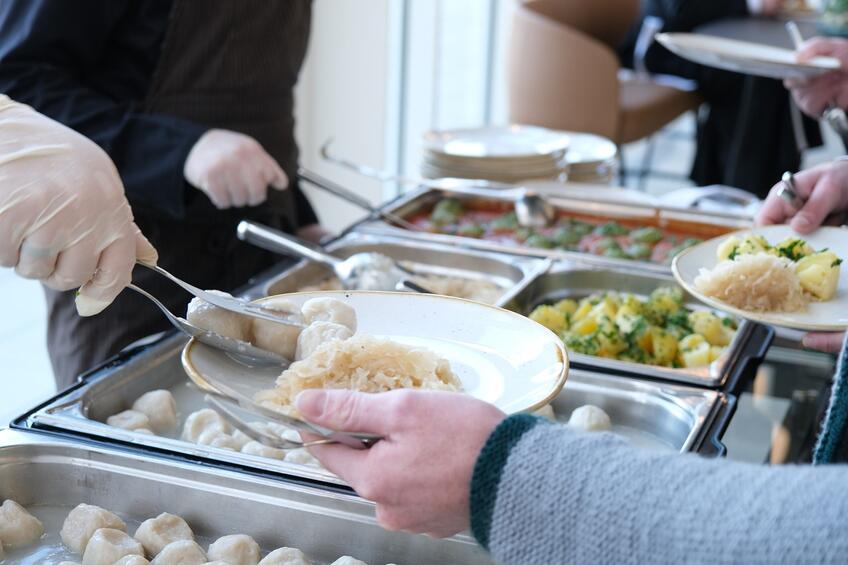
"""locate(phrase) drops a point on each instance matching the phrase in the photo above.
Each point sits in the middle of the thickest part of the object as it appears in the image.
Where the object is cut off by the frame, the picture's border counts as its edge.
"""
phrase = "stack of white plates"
(505, 154)
(592, 159)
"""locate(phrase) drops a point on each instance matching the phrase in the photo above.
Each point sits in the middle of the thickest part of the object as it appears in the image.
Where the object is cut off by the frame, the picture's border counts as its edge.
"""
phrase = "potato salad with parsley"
(658, 330)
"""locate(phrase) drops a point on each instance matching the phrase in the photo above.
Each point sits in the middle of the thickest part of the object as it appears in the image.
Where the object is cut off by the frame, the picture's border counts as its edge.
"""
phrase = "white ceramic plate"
(743, 56)
(500, 356)
(515, 141)
(818, 316)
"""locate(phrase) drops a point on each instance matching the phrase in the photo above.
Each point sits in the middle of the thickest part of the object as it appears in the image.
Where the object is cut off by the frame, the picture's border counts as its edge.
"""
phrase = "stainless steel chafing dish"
(651, 415)
(510, 273)
(54, 475)
(422, 200)
(658, 415)
(580, 279)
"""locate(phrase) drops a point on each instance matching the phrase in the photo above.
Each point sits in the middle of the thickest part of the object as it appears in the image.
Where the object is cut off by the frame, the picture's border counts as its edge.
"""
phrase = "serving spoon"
(351, 272)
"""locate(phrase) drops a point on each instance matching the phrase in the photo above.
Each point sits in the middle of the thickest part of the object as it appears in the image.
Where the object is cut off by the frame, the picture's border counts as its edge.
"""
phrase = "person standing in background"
(193, 101)
(745, 137)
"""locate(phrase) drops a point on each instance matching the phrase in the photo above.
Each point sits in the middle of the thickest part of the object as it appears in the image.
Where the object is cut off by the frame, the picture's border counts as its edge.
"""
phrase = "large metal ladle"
(352, 272)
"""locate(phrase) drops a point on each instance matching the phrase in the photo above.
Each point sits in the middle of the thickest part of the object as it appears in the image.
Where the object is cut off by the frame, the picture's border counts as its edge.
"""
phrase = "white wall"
(344, 93)
(380, 73)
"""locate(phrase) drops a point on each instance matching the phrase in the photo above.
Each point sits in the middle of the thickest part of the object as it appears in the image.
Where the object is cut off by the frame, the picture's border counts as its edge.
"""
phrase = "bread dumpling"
(285, 556)
(132, 560)
(262, 450)
(108, 545)
(129, 420)
(83, 521)
(222, 322)
(237, 549)
(203, 421)
(316, 334)
(590, 418)
(240, 439)
(301, 456)
(277, 338)
(183, 552)
(215, 438)
(160, 408)
(18, 528)
(329, 310)
(348, 560)
(546, 411)
(155, 533)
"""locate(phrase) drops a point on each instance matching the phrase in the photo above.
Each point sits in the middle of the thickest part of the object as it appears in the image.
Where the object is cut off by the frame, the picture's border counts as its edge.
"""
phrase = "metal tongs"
(263, 364)
(240, 350)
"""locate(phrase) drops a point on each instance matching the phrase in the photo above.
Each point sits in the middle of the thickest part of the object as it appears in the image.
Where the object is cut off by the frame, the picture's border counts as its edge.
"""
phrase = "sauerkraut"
(757, 283)
(363, 363)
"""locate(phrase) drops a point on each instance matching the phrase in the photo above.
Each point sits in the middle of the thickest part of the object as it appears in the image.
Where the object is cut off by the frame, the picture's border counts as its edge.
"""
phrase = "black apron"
(229, 65)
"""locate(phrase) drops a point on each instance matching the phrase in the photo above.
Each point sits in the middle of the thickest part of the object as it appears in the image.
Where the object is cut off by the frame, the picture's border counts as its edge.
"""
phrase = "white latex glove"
(64, 218)
(232, 169)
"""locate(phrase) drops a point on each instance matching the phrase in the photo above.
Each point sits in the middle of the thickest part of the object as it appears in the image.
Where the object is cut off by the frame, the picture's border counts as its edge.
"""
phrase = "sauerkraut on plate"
(754, 275)
(772, 275)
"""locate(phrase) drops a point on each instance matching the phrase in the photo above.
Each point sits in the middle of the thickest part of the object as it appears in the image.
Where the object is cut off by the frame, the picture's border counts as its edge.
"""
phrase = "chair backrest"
(608, 21)
(561, 78)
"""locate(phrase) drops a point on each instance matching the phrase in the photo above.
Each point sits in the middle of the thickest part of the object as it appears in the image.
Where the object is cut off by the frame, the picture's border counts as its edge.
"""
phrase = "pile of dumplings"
(155, 413)
(319, 319)
(100, 538)
(208, 427)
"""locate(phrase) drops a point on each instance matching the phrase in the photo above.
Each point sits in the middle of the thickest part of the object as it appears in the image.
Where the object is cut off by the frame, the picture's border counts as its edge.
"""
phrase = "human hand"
(827, 342)
(825, 190)
(765, 7)
(64, 218)
(813, 95)
(420, 473)
(313, 233)
(232, 169)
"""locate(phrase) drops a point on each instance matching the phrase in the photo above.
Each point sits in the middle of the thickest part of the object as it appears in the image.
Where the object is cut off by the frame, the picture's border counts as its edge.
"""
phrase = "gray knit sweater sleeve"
(542, 493)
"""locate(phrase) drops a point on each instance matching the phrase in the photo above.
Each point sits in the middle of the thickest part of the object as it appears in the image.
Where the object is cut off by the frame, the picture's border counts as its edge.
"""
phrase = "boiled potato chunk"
(665, 346)
(694, 351)
(710, 326)
(793, 248)
(551, 317)
(566, 306)
(727, 247)
(819, 274)
(585, 326)
(752, 244)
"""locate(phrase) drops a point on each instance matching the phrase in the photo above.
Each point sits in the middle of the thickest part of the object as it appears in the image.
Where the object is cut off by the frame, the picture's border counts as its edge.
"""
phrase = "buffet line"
(670, 384)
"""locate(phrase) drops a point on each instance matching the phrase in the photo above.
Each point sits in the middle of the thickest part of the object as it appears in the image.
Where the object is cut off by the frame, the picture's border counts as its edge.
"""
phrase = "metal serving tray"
(51, 476)
(650, 414)
(670, 416)
(579, 280)
(710, 224)
(509, 272)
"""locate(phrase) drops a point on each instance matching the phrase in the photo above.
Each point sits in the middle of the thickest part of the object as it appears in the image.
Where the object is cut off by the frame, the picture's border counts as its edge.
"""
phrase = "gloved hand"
(232, 169)
(64, 218)
(420, 473)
